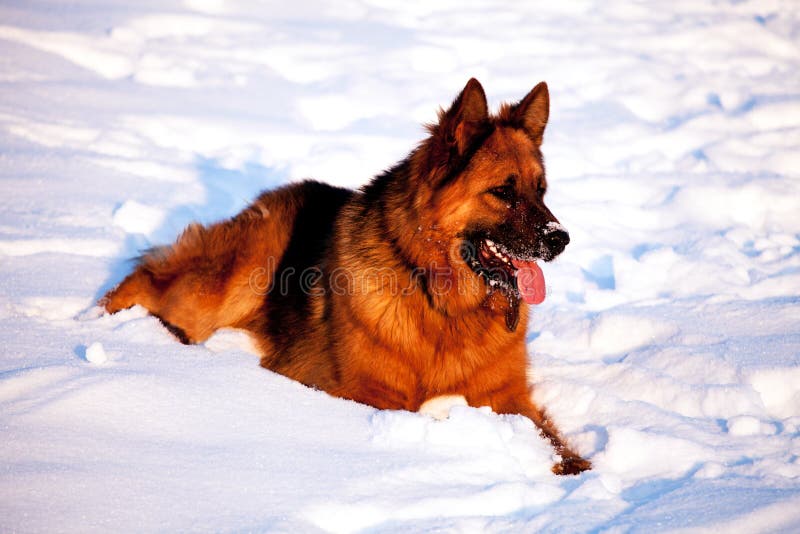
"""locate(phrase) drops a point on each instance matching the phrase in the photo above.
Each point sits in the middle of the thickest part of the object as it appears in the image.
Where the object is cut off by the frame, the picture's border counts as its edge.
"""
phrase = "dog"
(406, 290)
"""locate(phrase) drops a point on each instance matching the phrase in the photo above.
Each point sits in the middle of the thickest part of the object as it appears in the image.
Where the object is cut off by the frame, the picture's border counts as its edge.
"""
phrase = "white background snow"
(668, 349)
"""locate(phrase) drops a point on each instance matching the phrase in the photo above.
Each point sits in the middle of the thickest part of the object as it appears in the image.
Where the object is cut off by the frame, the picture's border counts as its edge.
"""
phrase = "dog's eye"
(503, 192)
(541, 191)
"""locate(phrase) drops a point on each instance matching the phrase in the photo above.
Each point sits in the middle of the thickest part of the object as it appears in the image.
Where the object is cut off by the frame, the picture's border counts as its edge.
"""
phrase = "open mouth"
(515, 275)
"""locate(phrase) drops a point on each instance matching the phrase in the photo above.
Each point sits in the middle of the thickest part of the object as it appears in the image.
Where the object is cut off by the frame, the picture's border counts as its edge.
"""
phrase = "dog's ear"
(466, 116)
(532, 112)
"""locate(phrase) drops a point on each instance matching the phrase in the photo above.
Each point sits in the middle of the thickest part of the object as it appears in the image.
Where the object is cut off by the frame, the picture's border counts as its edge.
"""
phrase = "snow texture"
(668, 349)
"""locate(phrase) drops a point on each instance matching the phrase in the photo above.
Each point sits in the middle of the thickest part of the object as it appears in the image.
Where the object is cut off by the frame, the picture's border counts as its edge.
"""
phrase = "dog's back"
(229, 274)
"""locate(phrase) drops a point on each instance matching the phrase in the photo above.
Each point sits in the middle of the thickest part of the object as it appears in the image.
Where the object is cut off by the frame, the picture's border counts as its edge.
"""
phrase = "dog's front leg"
(517, 402)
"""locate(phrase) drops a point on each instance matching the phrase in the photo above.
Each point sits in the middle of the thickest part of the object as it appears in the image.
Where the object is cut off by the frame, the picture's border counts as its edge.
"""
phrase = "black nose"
(556, 241)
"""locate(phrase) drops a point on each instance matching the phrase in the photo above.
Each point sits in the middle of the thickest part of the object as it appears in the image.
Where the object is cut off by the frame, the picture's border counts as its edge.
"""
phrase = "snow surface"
(668, 349)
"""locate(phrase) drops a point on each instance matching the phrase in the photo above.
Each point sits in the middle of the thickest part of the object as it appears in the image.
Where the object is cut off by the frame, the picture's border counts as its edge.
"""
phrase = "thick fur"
(367, 294)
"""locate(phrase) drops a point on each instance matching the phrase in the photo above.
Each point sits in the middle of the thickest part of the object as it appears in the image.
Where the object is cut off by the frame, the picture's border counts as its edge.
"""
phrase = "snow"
(95, 353)
(668, 349)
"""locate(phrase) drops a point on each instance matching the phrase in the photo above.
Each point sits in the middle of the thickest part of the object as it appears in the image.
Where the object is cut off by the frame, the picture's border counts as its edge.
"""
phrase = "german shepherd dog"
(409, 289)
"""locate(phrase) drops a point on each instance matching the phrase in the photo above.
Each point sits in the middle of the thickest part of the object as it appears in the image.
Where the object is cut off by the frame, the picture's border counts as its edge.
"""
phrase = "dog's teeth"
(495, 249)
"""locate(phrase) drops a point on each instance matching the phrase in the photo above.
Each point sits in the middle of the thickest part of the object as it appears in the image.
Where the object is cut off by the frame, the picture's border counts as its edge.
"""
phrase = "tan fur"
(370, 342)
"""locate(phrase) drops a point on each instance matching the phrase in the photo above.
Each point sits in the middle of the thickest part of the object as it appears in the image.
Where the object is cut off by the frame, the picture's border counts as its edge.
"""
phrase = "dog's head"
(483, 193)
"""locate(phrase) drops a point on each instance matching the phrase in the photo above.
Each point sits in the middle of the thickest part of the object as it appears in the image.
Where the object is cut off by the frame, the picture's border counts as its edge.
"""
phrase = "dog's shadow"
(227, 191)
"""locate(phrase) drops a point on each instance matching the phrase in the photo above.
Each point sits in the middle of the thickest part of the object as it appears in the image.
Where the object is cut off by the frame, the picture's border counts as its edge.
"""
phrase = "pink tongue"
(530, 281)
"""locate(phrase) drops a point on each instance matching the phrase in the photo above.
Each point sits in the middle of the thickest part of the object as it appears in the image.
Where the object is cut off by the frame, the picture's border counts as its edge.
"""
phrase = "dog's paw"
(114, 301)
(572, 465)
(103, 303)
(439, 407)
